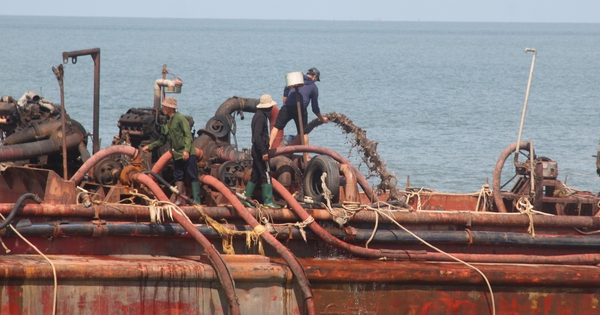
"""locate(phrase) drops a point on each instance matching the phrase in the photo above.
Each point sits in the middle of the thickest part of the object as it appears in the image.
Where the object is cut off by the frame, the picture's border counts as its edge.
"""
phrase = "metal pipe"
(283, 166)
(526, 95)
(445, 218)
(44, 147)
(83, 152)
(157, 95)
(13, 212)
(285, 253)
(134, 229)
(351, 188)
(36, 131)
(233, 104)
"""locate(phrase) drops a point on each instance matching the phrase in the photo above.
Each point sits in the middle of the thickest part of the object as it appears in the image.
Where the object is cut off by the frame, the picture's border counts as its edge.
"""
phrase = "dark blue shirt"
(309, 92)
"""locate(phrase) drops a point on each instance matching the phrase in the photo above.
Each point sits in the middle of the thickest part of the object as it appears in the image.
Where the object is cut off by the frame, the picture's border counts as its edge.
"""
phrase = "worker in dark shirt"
(176, 131)
(309, 93)
(260, 155)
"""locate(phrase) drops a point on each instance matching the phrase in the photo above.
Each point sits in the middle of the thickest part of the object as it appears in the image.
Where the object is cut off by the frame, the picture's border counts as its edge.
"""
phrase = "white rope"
(410, 194)
(299, 225)
(525, 207)
(45, 257)
(341, 220)
(448, 255)
(484, 193)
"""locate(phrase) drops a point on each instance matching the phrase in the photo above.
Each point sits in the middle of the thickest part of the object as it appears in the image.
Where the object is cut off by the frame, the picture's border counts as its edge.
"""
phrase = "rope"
(227, 234)
(484, 193)
(410, 194)
(45, 257)
(374, 229)
(448, 255)
(525, 207)
(299, 225)
(341, 220)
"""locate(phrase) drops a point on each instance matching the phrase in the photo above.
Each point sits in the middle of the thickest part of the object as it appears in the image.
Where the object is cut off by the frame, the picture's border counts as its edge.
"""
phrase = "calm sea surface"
(442, 99)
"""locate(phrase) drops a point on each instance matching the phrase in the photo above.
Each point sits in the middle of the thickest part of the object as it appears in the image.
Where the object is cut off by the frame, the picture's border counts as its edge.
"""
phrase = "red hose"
(215, 258)
(166, 157)
(334, 241)
(498, 172)
(115, 149)
(285, 253)
(362, 181)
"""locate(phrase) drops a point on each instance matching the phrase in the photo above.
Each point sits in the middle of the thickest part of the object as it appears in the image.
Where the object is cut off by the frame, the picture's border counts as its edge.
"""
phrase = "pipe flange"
(218, 125)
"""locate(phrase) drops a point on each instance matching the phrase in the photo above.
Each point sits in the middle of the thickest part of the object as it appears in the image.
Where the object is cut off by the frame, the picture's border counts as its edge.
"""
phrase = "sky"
(536, 11)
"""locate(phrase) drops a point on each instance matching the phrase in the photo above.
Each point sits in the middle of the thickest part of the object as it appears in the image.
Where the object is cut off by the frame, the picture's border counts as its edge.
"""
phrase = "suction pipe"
(285, 253)
(215, 258)
(334, 241)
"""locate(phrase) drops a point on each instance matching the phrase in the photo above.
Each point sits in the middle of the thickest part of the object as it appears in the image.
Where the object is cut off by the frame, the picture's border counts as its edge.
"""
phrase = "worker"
(260, 155)
(309, 93)
(176, 131)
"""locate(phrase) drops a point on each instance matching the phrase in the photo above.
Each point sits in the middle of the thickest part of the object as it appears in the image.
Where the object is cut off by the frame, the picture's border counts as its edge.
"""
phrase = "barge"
(98, 233)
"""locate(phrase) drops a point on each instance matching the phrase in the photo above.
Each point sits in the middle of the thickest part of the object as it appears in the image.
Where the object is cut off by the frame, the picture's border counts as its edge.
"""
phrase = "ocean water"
(443, 100)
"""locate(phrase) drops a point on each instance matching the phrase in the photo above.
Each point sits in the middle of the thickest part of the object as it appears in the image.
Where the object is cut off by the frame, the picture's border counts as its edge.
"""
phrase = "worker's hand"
(146, 148)
(324, 119)
(265, 157)
(186, 155)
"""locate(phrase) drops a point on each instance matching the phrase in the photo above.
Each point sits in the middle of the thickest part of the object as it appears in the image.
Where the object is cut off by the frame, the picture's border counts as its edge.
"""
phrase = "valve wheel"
(228, 173)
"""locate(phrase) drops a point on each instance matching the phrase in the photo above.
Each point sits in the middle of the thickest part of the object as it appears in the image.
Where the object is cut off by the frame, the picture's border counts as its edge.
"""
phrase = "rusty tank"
(100, 234)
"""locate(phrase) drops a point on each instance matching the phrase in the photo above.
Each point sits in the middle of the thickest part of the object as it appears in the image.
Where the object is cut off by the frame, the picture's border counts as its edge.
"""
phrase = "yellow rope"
(252, 237)
(157, 210)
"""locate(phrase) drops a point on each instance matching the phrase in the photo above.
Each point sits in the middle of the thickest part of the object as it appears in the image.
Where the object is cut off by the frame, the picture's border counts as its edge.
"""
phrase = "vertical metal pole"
(96, 140)
(299, 106)
(59, 72)
(526, 98)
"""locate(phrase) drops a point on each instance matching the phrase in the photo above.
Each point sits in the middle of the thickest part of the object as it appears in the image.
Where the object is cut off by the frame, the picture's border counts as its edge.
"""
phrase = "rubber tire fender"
(312, 178)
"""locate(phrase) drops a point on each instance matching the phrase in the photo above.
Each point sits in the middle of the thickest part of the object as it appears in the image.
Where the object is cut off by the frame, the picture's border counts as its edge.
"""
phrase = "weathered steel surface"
(378, 287)
(141, 284)
(464, 218)
(16, 181)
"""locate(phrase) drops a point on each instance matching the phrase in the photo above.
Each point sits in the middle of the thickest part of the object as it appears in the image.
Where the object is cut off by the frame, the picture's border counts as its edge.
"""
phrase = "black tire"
(312, 178)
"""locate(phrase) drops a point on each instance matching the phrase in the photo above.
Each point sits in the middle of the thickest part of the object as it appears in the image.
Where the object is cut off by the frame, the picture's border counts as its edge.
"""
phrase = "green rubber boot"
(196, 192)
(267, 192)
(248, 193)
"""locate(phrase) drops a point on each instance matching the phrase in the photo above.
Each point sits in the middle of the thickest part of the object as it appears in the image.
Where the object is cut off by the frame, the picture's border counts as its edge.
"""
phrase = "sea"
(442, 100)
